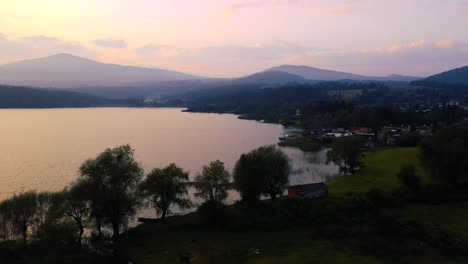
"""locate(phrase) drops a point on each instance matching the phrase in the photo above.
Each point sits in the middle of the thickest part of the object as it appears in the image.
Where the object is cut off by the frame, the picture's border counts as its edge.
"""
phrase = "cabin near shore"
(308, 191)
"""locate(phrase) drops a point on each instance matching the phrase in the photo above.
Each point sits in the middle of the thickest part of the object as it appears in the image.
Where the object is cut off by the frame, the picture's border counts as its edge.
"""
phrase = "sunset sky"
(226, 38)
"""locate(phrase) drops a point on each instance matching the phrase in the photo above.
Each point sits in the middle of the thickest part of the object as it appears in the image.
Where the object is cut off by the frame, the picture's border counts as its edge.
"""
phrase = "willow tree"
(112, 181)
(20, 213)
(165, 187)
(75, 205)
(263, 171)
(213, 183)
(346, 153)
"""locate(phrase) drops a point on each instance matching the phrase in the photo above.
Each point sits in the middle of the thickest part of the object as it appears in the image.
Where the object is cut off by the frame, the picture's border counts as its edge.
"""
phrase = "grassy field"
(212, 245)
(355, 243)
(381, 168)
(453, 217)
(166, 242)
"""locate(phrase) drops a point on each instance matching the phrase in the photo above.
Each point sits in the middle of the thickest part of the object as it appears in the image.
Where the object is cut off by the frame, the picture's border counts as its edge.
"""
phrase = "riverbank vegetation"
(383, 211)
(379, 171)
(27, 97)
(329, 104)
(301, 143)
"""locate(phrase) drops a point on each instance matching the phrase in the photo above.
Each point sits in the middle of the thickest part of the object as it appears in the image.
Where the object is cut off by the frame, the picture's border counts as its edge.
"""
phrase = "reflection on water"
(307, 167)
(310, 167)
(42, 149)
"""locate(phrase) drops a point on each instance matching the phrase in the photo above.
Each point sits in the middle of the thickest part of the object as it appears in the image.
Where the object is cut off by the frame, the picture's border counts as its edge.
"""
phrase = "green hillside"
(25, 97)
(455, 76)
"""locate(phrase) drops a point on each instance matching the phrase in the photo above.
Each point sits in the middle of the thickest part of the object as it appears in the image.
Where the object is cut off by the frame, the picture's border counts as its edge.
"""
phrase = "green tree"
(165, 187)
(277, 168)
(94, 182)
(113, 178)
(262, 171)
(247, 178)
(409, 178)
(45, 201)
(20, 213)
(446, 154)
(212, 184)
(57, 232)
(345, 153)
(75, 205)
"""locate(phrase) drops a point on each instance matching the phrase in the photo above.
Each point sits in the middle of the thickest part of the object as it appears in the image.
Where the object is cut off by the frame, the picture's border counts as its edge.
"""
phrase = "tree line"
(112, 188)
(27, 97)
(325, 104)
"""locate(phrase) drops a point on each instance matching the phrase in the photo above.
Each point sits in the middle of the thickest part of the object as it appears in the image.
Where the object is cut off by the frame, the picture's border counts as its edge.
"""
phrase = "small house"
(308, 191)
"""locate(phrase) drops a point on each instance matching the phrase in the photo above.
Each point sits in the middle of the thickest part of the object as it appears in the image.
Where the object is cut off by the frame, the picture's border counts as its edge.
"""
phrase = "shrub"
(409, 178)
(382, 199)
(447, 242)
(57, 233)
(386, 224)
(213, 212)
(445, 154)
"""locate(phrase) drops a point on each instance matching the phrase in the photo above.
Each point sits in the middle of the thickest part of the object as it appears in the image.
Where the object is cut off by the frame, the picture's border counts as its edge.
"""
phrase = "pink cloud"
(448, 43)
(417, 44)
(38, 46)
(394, 48)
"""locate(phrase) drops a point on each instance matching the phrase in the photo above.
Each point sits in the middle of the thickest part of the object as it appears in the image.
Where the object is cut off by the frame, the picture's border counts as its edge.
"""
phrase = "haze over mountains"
(68, 71)
(270, 77)
(90, 83)
(311, 73)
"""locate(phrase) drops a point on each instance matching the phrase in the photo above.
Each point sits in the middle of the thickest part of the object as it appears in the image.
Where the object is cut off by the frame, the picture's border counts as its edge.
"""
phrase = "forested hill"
(455, 76)
(268, 104)
(26, 97)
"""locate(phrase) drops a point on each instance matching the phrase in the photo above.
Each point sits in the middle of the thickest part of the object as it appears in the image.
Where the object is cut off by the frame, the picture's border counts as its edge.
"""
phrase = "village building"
(297, 118)
(308, 191)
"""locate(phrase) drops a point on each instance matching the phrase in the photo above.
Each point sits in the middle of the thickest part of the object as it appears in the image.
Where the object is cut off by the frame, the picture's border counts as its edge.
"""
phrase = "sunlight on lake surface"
(42, 149)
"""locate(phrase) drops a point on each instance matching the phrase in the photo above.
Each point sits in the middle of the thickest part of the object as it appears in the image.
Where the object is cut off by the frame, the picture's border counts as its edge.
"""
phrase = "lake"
(42, 149)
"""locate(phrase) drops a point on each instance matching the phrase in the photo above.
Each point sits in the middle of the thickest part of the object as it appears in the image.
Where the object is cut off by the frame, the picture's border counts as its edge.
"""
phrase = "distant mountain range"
(270, 77)
(91, 83)
(311, 73)
(68, 71)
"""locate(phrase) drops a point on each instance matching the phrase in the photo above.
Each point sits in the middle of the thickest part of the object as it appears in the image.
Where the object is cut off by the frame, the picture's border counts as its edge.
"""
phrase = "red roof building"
(308, 191)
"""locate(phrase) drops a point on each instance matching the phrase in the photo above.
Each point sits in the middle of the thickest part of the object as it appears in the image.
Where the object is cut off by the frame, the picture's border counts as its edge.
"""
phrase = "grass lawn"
(381, 168)
(165, 242)
(453, 217)
(153, 243)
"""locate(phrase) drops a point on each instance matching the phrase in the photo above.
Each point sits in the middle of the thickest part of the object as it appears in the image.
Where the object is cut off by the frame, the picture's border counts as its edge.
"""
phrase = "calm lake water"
(42, 149)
